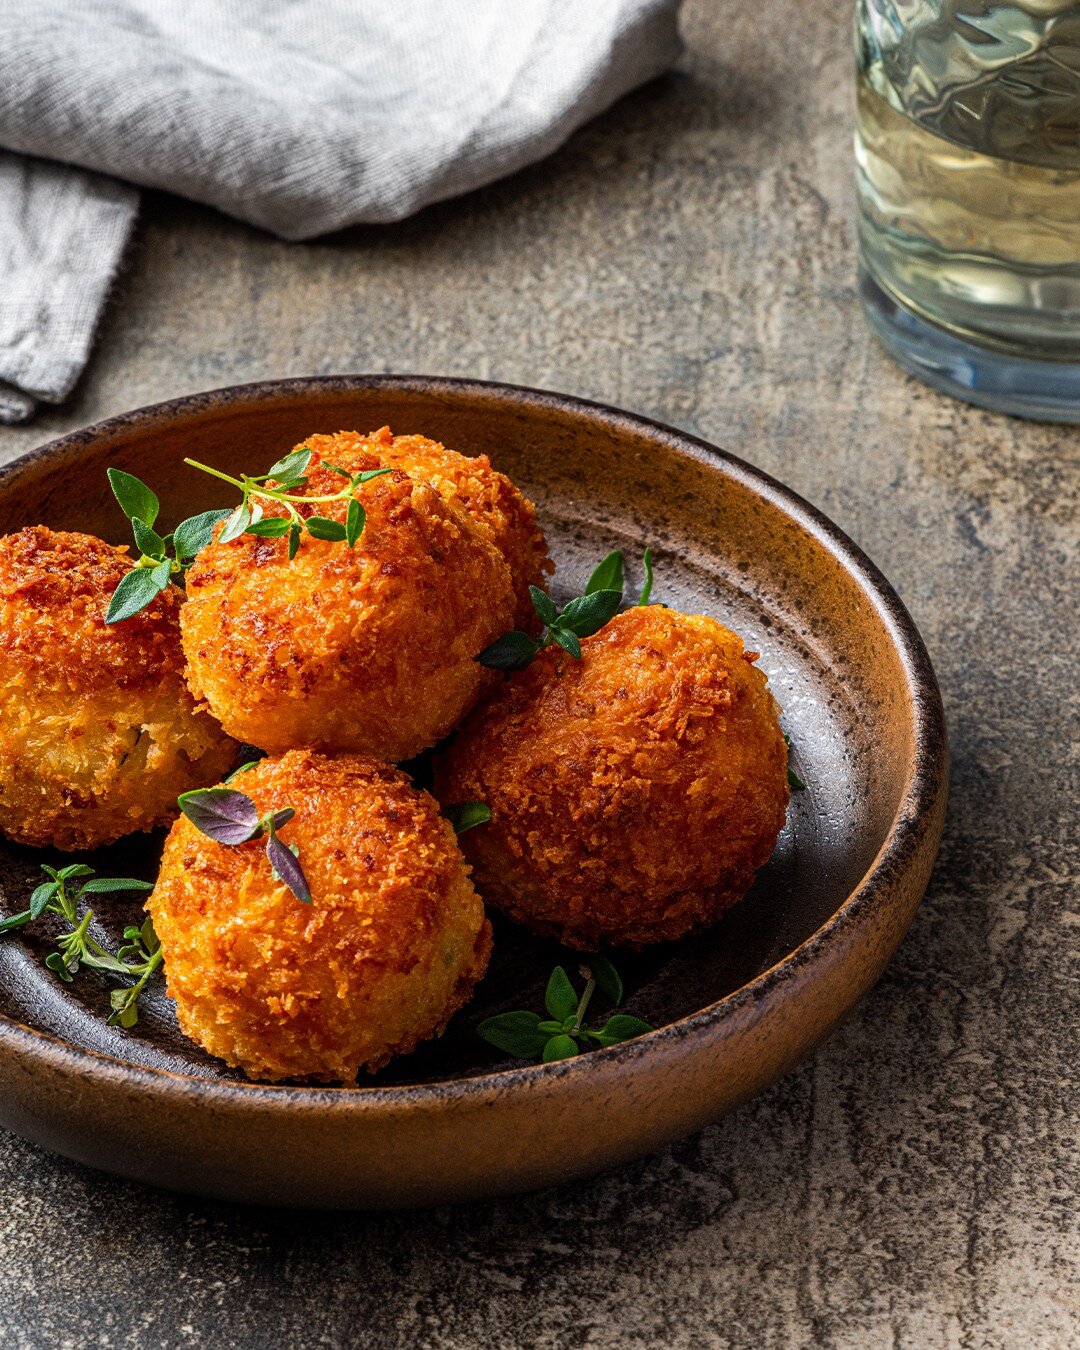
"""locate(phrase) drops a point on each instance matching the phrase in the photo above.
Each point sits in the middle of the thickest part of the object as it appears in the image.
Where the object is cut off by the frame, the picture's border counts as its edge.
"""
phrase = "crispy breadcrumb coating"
(368, 648)
(390, 947)
(634, 793)
(98, 732)
(508, 517)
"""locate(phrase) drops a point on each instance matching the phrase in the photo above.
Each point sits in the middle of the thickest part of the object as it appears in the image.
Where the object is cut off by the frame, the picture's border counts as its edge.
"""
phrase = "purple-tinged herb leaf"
(222, 814)
(287, 866)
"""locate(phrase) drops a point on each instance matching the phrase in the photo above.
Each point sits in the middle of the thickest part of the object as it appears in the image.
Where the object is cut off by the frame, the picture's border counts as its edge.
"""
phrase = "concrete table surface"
(691, 255)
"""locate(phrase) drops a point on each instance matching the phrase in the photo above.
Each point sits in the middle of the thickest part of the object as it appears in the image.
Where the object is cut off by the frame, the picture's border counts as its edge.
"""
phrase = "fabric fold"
(299, 116)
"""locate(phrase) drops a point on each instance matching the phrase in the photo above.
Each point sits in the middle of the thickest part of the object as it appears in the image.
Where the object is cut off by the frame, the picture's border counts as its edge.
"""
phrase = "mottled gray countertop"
(689, 256)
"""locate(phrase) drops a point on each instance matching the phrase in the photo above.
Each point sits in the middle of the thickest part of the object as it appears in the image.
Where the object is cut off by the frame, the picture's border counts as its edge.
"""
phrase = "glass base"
(1024, 386)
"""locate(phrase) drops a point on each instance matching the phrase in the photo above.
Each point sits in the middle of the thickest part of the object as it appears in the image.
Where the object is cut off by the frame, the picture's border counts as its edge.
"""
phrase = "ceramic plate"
(734, 1009)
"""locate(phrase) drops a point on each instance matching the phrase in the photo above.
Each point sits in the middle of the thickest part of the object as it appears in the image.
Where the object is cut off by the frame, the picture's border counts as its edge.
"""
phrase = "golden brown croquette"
(504, 513)
(634, 793)
(390, 947)
(368, 648)
(98, 732)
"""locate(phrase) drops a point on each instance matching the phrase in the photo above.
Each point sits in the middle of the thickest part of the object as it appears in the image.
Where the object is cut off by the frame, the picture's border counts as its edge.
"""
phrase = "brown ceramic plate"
(733, 1009)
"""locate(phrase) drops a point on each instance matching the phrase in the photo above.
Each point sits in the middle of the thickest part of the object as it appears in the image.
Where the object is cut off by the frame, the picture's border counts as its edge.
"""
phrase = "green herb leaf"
(236, 523)
(568, 642)
(559, 997)
(369, 474)
(544, 605)
(621, 1027)
(465, 815)
(513, 651)
(319, 527)
(150, 939)
(16, 921)
(646, 590)
(560, 1047)
(193, 535)
(795, 782)
(136, 500)
(336, 468)
(136, 591)
(294, 540)
(355, 519)
(606, 977)
(111, 885)
(291, 466)
(56, 963)
(588, 613)
(270, 527)
(608, 576)
(147, 541)
(40, 898)
(515, 1033)
(243, 768)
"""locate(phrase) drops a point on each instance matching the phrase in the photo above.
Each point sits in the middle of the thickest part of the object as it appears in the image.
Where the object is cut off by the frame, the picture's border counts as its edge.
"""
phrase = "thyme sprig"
(579, 618)
(563, 1033)
(231, 818)
(164, 558)
(136, 960)
(289, 474)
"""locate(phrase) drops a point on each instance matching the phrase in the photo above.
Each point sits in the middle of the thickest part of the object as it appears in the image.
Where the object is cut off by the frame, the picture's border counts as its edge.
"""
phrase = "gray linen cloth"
(300, 116)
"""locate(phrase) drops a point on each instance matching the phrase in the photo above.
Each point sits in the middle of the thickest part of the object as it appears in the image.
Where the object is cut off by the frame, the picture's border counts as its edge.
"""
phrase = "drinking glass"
(967, 151)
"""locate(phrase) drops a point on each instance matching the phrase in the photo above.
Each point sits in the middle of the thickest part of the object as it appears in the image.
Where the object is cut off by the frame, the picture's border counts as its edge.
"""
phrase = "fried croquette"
(390, 947)
(634, 793)
(508, 517)
(98, 732)
(369, 648)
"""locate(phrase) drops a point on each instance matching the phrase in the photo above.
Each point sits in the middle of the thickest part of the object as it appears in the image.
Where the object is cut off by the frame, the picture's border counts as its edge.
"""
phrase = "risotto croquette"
(390, 947)
(504, 513)
(369, 648)
(634, 793)
(98, 732)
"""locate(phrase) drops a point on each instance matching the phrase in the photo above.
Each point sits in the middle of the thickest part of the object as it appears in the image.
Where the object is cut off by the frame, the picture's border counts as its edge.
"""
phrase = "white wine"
(967, 151)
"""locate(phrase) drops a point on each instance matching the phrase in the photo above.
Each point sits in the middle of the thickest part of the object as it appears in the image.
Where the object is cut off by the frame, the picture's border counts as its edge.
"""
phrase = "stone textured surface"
(691, 256)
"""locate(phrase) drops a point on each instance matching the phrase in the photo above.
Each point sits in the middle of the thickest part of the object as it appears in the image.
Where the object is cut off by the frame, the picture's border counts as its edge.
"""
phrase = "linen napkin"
(300, 116)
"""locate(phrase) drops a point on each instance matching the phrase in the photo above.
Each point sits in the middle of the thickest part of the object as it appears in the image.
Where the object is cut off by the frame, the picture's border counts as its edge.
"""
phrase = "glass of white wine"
(967, 149)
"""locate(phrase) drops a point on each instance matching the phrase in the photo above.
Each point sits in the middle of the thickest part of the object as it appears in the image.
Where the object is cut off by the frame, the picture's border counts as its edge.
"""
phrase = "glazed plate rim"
(913, 816)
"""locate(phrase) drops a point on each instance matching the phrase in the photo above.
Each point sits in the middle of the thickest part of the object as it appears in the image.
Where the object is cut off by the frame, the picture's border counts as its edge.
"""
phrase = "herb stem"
(579, 1016)
(217, 473)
